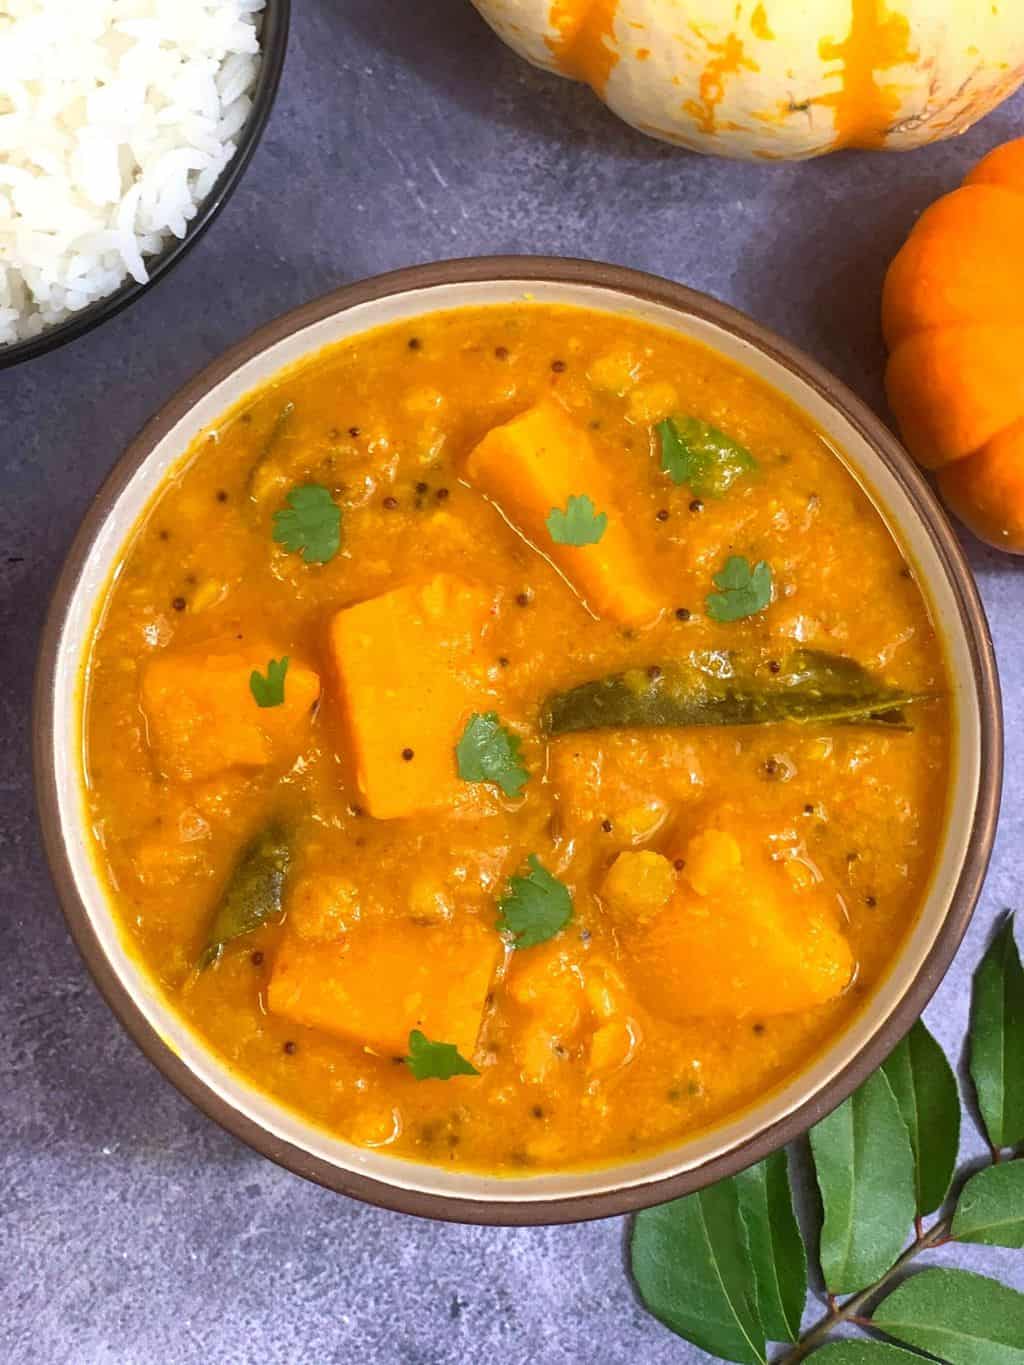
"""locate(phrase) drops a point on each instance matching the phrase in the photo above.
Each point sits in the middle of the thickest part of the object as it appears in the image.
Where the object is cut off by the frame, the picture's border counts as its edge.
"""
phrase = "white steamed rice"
(116, 118)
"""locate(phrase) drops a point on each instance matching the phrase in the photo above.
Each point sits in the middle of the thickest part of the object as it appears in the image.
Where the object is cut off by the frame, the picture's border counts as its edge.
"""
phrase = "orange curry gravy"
(735, 891)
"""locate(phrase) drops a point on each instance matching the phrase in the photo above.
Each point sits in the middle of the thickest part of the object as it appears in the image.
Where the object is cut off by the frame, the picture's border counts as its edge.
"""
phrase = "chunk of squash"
(746, 943)
(202, 718)
(383, 978)
(534, 464)
(410, 671)
(562, 996)
(548, 982)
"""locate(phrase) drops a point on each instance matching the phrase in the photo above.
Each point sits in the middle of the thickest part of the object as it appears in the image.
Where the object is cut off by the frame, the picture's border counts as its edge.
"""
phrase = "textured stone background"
(132, 1230)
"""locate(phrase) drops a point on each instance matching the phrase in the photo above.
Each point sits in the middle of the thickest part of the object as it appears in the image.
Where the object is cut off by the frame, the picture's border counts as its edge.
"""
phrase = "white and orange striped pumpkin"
(779, 78)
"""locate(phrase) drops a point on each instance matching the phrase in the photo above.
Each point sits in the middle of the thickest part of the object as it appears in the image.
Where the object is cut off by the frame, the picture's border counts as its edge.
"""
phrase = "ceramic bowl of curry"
(516, 742)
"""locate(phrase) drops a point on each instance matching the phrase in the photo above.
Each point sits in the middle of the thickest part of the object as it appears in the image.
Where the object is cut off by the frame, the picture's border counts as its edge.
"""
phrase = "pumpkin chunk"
(752, 945)
(547, 981)
(533, 465)
(563, 998)
(381, 979)
(203, 719)
(410, 674)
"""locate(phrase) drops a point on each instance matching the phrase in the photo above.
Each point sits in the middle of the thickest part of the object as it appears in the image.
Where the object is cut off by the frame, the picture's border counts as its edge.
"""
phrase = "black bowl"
(273, 43)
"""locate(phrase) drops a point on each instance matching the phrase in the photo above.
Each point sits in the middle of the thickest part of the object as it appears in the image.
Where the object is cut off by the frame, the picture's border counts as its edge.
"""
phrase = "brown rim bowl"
(903, 498)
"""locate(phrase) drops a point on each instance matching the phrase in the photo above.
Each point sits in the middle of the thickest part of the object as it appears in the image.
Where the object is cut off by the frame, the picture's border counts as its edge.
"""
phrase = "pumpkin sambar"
(515, 740)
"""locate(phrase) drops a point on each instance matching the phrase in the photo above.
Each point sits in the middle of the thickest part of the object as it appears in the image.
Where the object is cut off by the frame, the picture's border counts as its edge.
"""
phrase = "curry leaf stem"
(849, 1311)
(938, 1235)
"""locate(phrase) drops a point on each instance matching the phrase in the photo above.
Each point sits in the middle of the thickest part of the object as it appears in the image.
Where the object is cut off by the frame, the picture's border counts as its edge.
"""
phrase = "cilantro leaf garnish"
(535, 907)
(269, 690)
(310, 523)
(744, 590)
(579, 524)
(699, 455)
(429, 1061)
(488, 752)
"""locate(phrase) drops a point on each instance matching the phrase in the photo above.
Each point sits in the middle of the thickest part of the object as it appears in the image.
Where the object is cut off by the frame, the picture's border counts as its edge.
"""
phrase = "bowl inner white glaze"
(894, 505)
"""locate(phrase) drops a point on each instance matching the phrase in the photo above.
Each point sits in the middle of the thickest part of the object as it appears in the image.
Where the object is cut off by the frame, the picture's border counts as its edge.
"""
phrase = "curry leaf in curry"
(269, 690)
(579, 524)
(253, 895)
(309, 524)
(744, 590)
(535, 907)
(277, 430)
(714, 687)
(701, 456)
(488, 752)
(430, 1061)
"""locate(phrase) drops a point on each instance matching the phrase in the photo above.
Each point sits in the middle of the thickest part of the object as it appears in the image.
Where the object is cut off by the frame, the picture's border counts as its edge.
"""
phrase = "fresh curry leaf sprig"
(269, 690)
(726, 1268)
(535, 907)
(489, 752)
(309, 524)
(579, 524)
(430, 1061)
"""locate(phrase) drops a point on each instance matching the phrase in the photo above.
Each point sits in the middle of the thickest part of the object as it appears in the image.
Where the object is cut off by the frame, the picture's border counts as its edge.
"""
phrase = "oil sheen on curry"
(514, 739)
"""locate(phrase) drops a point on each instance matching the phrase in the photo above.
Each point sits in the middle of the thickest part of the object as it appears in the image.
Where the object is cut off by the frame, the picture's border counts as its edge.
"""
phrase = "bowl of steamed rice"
(124, 128)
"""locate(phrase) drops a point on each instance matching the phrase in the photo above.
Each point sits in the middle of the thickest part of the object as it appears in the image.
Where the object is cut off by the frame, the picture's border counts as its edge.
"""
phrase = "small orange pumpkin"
(953, 314)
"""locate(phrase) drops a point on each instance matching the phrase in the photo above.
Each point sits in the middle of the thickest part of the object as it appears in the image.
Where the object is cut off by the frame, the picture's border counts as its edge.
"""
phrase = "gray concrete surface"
(132, 1230)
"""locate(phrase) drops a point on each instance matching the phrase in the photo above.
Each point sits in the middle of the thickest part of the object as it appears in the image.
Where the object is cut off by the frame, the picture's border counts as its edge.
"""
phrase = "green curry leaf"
(579, 524)
(430, 1061)
(963, 1318)
(716, 688)
(535, 907)
(997, 1040)
(864, 1353)
(744, 590)
(691, 1263)
(926, 1092)
(488, 752)
(778, 1257)
(269, 690)
(865, 1169)
(991, 1207)
(701, 456)
(309, 524)
(254, 893)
